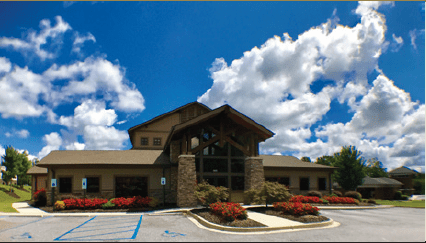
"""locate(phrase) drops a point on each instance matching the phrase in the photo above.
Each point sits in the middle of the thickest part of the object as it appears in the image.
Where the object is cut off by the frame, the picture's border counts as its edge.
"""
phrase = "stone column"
(174, 151)
(254, 175)
(186, 181)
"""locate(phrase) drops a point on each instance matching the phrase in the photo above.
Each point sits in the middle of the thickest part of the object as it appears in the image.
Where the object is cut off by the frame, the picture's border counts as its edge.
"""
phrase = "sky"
(320, 75)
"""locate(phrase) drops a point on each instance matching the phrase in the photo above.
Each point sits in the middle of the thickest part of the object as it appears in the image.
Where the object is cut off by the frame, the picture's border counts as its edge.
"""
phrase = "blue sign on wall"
(53, 183)
(84, 184)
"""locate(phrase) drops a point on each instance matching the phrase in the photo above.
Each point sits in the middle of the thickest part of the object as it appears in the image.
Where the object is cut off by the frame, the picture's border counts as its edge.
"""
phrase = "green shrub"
(404, 197)
(315, 194)
(109, 204)
(154, 202)
(324, 201)
(207, 194)
(337, 193)
(269, 193)
(398, 195)
(354, 195)
(371, 201)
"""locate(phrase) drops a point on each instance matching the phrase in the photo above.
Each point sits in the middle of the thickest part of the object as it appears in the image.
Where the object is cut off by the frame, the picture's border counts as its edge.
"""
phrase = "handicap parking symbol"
(171, 234)
(23, 236)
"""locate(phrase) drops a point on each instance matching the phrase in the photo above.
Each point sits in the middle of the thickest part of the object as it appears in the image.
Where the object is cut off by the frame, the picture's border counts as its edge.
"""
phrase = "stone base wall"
(186, 181)
(254, 175)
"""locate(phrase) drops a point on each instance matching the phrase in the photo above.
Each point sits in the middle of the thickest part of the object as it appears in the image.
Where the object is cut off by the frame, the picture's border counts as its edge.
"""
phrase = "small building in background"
(404, 175)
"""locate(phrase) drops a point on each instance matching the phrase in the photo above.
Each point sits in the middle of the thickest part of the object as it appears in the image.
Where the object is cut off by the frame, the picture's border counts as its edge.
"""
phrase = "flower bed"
(341, 200)
(84, 203)
(228, 210)
(306, 199)
(296, 208)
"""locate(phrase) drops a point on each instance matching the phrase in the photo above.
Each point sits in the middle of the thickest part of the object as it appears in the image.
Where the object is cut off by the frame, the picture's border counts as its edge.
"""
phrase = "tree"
(23, 165)
(10, 160)
(350, 172)
(325, 160)
(306, 159)
(374, 168)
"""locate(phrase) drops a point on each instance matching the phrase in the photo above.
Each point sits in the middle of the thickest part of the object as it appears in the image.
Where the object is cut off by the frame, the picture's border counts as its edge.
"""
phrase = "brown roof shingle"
(103, 157)
(289, 161)
(36, 170)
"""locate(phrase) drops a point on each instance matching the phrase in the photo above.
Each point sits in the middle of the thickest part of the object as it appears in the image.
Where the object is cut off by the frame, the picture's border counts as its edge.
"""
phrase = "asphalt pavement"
(391, 224)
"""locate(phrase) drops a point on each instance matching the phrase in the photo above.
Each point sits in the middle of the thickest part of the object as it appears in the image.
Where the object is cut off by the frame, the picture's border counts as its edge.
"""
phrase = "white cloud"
(105, 138)
(272, 85)
(79, 41)
(22, 90)
(5, 65)
(397, 43)
(21, 133)
(35, 41)
(53, 142)
(413, 36)
(90, 120)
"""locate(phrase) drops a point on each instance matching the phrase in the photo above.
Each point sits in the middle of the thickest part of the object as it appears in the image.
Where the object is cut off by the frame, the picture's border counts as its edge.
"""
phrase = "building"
(404, 175)
(185, 146)
(379, 188)
(38, 178)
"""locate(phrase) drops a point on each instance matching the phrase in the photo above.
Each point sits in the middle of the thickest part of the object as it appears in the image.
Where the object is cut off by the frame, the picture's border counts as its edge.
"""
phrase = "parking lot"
(393, 224)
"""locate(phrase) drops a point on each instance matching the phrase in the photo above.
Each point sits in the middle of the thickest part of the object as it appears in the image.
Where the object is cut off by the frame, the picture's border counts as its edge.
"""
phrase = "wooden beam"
(238, 146)
(203, 145)
(221, 142)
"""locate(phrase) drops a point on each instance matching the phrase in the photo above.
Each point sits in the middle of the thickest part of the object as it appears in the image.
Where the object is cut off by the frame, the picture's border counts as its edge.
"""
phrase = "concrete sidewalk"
(25, 209)
(271, 221)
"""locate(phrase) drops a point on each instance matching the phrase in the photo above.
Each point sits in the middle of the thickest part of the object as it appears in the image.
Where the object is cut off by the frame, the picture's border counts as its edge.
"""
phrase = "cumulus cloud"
(35, 41)
(53, 142)
(272, 84)
(21, 133)
(23, 90)
(90, 119)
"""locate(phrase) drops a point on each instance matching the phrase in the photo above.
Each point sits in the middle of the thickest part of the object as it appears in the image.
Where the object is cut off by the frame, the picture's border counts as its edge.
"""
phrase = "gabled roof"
(379, 182)
(290, 162)
(166, 114)
(402, 171)
(232, 113)
(36, 170)
(104, 157)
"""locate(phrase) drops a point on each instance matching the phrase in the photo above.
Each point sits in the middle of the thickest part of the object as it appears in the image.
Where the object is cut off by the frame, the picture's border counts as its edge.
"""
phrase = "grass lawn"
(410, 204)
(6, 200)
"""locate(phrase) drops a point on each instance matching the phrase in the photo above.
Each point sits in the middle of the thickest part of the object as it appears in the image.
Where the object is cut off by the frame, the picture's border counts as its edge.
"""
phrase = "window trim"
(147, 141)
(156, 139)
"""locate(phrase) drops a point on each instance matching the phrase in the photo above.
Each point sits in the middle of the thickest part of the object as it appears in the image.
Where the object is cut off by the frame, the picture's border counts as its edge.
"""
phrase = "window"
(131, 186)
(144, 141)
(157, 141)
(282, 180)
(65, 185)
(92, 184)
(304, 183)
(322, 184)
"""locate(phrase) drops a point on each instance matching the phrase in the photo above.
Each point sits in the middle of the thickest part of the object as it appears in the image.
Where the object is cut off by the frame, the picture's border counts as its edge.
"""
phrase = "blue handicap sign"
(84, 183)
(53, 183)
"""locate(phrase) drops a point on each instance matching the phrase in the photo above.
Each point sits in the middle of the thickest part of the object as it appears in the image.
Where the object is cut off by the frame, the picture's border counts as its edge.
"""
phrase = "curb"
(166, 212)
(255, 229)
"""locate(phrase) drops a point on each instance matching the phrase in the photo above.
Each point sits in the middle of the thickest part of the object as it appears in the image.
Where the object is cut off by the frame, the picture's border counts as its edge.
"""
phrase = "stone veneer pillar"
(254, 175)
(186, 181)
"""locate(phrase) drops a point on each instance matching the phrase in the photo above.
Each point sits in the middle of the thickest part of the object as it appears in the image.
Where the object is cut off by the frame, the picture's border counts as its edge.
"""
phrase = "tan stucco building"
(184, 146)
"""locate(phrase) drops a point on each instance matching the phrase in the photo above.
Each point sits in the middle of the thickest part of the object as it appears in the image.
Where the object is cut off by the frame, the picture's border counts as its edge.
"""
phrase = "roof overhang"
(239, 118)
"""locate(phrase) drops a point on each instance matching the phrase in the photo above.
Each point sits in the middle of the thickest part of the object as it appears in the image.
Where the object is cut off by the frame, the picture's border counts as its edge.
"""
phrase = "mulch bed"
(302, 219)
(12, 194)
(23, 189)
(205, 213)
(113, 210)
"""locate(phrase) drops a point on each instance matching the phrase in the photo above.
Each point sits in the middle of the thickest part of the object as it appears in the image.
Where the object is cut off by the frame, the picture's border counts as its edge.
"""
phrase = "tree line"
(17, 164)
(351, 167)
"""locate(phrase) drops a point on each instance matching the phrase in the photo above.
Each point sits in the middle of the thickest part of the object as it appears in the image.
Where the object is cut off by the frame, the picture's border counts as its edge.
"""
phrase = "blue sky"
(321, 75)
